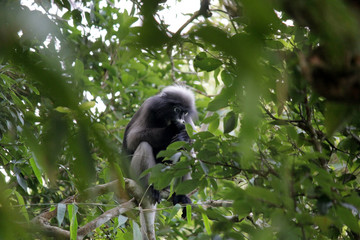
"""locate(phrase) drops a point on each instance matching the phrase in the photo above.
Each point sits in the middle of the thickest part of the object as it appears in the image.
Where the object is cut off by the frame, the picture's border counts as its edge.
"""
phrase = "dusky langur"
(159, 122)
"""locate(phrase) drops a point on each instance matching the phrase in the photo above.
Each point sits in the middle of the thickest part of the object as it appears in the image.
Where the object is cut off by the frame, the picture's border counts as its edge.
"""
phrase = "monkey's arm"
(159, 138)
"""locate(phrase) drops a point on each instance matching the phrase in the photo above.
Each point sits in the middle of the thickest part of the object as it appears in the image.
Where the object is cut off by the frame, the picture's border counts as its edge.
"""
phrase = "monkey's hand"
(182, 136)
(154, 194)
(183, 199)
(175, 127)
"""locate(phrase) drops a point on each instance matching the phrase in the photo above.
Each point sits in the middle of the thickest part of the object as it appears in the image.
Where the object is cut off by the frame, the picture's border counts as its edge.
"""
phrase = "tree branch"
(279, 119)
(193, 17)
(203, 11)
(41, 222)
(103, 218)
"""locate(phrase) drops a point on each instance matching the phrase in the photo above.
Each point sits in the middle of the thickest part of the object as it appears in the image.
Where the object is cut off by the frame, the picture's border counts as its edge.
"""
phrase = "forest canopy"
(276, 148)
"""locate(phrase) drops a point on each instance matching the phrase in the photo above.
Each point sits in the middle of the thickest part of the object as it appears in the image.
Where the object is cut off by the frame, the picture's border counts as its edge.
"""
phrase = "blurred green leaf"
(76, 14)
(217, 103)
(122, 220)
(22, 205)
(227, 78)
(262, 193)
(188, 213)
(79, 69)
(274, 44)
(173, 212)
(72, 210)
(346, 217)
(136, 231)
(63, 109)
(87, 105)
(21, 181)
(61, 210)
(230, 122)
(36, 170)
(206, 223)
(335, 116)
(206, 63)
(186, 186)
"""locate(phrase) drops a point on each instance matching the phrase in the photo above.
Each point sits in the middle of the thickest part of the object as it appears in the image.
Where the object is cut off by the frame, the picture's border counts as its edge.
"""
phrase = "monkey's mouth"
(190, 121)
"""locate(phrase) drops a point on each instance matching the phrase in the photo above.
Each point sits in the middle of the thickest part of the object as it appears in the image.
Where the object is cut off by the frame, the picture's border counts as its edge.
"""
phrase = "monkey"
(159, 122)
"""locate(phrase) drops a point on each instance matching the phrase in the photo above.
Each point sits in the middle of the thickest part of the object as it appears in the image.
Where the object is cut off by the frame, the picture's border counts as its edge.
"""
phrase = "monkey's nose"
(182, 121)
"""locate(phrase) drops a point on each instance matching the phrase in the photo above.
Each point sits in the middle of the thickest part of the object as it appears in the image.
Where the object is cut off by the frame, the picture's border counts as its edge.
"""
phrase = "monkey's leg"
(143, 159)
(147, 219)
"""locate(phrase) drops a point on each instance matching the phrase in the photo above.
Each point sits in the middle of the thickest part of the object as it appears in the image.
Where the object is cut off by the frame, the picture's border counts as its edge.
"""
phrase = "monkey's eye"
(177, 110)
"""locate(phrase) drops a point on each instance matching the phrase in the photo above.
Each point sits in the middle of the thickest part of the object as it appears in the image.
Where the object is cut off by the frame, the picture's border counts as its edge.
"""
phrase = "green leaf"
(167, 153)
(159, 177)
(188, 213)
(273, 44)
(79, 69)
(204, 135)
(242, 208)
(215, 36)
(214, 126)
(349, 144)
(63, 109)
(72, 210)
(187, 186)
(176, 145)
(122, 220)
(76, 14)
(22, 204)
(21, 181)
(87, 105)
(291, 131)
(173, 212)
(206, 63)
(227, 78)
(8, 80)
(348, 219)
(127, 79)
(99, 127)
(218, 103)
(36, 170)
(136, 231)
(336, 114)
(206, 223)
(211, 118)
(230, 122)
(323, 222)
(61, 210)
(204, 168)
(16, 99)
(62, 3)
(66, 15)
(263, 194)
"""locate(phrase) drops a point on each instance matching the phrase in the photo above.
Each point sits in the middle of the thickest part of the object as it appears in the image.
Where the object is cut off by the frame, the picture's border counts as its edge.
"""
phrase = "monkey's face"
(182, 116)
(179, 114)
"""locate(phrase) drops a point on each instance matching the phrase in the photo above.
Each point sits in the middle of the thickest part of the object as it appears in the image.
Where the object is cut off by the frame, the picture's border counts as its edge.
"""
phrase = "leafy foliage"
(277, 89)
